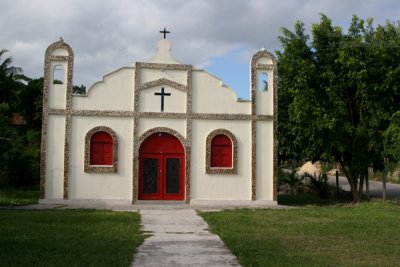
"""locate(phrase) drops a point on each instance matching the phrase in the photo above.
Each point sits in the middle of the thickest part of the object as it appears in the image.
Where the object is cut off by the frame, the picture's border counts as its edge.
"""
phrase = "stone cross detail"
(165, 32)
(162, 94)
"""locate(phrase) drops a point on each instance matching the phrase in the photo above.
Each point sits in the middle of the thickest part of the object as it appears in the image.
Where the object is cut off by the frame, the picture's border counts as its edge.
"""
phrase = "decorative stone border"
(164, 81)
(101, 169)
(213, 170)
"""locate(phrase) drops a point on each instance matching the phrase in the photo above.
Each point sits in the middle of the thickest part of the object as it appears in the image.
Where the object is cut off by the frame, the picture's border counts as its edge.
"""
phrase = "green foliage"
(358, 235)
(293, 180)
(337, 93)
(31, 103)
(318, 184)
(392, 137)
(79, 90)
(19, 144)
(68, 237)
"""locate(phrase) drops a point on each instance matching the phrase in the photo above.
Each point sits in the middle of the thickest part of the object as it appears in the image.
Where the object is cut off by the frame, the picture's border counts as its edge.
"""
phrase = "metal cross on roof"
(165, 32)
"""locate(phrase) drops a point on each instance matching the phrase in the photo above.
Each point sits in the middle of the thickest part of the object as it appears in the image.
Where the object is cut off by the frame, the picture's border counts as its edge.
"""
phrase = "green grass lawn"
(17, 197)
(68, 237)
(366, 234)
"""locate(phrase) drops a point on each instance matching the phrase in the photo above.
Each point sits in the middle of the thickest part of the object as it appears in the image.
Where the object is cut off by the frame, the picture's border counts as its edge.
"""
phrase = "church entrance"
(161, 168)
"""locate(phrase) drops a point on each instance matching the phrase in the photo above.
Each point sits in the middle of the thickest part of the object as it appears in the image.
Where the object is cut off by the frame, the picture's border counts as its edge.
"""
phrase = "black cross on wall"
(165, 32)
(162, 94)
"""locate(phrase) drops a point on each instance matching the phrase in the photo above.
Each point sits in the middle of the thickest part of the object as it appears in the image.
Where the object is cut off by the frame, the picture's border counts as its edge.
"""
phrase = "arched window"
(58, 74)
(221, 152)
(101, 150)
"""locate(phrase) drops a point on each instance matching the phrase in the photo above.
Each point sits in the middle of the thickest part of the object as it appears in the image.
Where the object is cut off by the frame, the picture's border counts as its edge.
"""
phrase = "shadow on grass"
(305, 199)
(10, 197)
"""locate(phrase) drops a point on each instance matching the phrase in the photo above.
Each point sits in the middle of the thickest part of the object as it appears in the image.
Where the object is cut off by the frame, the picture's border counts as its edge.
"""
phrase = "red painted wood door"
(161, 168)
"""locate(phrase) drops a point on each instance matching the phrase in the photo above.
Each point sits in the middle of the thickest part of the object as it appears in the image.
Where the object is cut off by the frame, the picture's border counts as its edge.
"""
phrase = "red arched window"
(221, 151)
(101, 149)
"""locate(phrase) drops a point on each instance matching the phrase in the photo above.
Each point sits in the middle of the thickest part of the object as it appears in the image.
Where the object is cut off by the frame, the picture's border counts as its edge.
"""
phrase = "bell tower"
(57, 92)
(264, 103)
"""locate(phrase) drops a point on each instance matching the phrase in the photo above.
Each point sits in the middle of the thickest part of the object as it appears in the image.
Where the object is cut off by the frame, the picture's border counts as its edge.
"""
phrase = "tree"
(79, 90)
(19, 144)
(337, 93)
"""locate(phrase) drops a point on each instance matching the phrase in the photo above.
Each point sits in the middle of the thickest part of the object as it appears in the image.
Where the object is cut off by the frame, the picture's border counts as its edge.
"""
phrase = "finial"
(61, 40)
(263, 49)
(165, 32)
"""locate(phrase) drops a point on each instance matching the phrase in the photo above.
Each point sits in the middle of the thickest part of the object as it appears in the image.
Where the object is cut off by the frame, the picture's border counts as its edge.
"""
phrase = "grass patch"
(68, 237)
(366, 234)
(18, 197)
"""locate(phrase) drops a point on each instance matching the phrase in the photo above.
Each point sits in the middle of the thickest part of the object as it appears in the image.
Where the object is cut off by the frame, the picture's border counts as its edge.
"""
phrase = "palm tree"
(11, 79)
(7, 71)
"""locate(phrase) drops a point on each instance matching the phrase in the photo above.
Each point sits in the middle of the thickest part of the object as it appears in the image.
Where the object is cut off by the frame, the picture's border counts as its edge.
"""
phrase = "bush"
(319, 184)
(290, 182)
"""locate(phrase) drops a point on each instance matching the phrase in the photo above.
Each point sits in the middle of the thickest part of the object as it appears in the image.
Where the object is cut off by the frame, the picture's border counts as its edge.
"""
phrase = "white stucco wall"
(264, 160)
(178, 76)
(221, 186)
(210, 96)
(101, 185)
(59, 52)
(114, 92)
(178, 125)
(175, 103)
(55, 157)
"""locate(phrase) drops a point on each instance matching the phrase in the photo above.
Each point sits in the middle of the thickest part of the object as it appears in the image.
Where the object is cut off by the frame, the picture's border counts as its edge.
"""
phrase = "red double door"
(161, 168)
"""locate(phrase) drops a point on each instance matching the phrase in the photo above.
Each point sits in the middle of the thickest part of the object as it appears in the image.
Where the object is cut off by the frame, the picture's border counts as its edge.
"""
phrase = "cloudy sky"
(217, 35)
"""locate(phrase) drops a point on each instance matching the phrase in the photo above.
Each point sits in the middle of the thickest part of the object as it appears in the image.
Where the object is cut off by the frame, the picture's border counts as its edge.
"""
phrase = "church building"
(158, 130)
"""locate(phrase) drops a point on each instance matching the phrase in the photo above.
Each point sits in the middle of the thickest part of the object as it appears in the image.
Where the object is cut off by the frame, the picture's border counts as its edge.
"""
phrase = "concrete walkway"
(179, 237)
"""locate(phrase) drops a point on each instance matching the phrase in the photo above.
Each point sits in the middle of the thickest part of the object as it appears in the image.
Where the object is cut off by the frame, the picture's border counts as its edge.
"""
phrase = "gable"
(114, 92)
(210, 95)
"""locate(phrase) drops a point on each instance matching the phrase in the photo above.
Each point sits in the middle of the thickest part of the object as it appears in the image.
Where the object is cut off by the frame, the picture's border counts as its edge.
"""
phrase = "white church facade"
(158, 130)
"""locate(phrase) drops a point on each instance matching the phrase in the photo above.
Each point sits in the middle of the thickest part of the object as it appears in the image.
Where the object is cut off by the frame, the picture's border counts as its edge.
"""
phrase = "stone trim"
(135, 152)
(255, 117)
(214, 170)
(124, 113)
(104, 113)
(162, 115)
(164, 81)
(48, 75)
(163, 66)
(189, 122)
(216, 116)
(101, 169)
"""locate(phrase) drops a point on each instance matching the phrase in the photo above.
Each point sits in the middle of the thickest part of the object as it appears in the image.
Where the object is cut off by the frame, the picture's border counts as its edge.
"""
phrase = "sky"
(219, 36)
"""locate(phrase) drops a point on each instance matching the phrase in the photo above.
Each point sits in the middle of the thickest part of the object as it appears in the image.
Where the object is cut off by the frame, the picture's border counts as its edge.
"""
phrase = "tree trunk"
(361, 186)
(352, 178)
(384, 185)
(385, 160)
(367, 185)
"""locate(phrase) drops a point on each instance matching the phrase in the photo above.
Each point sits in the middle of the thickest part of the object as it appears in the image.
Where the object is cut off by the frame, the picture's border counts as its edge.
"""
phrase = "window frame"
(221, 170)
(113, 168)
